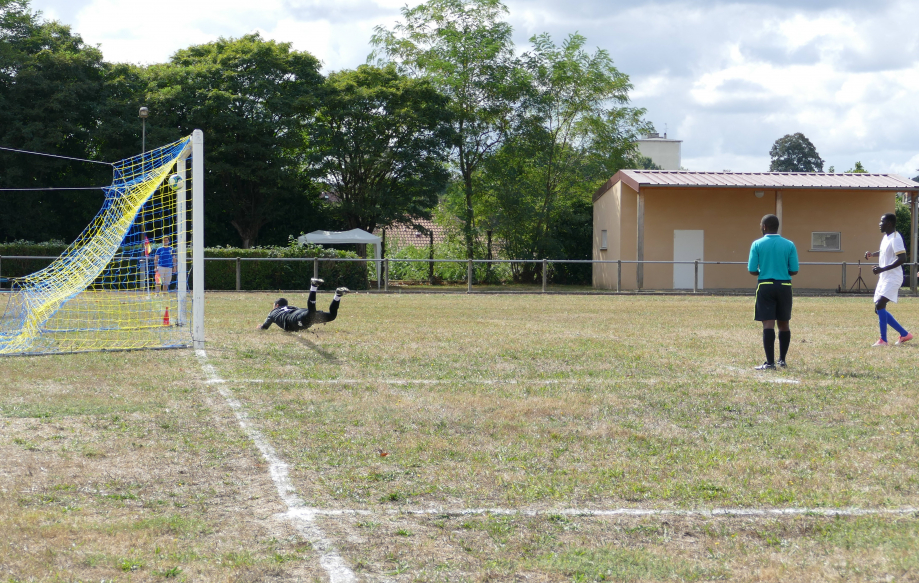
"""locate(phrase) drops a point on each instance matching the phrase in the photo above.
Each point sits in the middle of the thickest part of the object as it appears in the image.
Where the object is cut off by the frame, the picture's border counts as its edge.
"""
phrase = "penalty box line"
(416, 381)
(636, 512)
(765, 379)
(302, 516)
(284, 488)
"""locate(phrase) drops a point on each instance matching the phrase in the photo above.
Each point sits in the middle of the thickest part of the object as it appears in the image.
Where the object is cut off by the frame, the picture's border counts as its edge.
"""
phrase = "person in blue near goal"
(890, 277)
(293, 319)
(164, 263)
(773, 260)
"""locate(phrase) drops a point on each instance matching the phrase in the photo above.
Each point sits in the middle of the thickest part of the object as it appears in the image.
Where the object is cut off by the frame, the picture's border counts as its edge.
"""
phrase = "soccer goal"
(134, 278)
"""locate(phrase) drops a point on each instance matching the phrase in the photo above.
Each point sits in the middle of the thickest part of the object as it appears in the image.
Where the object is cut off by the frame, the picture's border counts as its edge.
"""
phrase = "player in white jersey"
(890, 277)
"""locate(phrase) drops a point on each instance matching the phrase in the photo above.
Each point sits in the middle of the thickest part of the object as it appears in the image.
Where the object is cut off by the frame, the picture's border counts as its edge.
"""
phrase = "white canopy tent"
(339, 237)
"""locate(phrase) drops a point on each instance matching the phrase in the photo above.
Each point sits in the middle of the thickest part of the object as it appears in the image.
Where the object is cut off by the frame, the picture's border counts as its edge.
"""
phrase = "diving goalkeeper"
(292, 319)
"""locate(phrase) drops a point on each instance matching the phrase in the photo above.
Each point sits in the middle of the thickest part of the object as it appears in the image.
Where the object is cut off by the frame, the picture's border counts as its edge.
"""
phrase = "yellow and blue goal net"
(125, 282)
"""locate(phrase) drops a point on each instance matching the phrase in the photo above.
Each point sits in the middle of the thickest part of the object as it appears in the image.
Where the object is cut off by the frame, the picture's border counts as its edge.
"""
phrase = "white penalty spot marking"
(303, 517)
(781, 381)
(764, 376)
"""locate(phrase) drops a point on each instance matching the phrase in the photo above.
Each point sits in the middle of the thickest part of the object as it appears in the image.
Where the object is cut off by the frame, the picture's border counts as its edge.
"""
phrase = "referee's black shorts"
(773, 300)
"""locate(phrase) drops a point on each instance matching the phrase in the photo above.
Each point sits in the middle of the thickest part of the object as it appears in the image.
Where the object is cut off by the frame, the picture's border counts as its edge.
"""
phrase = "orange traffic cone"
(166, 317)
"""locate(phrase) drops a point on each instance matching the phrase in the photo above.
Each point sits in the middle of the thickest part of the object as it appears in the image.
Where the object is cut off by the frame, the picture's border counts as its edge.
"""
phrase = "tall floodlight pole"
(144, 112)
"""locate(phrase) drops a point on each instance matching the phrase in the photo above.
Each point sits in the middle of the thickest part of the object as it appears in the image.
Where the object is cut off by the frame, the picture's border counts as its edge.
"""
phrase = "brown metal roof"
(407, 234)
(638, 179)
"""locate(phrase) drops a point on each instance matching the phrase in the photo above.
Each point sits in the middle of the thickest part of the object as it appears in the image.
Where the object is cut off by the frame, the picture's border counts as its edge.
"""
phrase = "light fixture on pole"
(143, 136)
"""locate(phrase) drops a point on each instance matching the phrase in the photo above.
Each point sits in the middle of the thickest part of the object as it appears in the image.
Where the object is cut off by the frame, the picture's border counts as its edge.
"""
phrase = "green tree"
(465, 48)
(646, 163)
(575, 131)
(380, 142)
(795, 153)
(252, 98)
(858, 169)
(118, 134)
(50, 87)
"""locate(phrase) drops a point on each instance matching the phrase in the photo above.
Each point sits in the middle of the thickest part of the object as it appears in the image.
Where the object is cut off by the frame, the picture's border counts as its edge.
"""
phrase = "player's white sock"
(314, 288)
(336, 298)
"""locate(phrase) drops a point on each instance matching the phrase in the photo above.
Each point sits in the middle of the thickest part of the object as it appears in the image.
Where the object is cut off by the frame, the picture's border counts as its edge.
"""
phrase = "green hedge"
(221, 275)
(20, 267)
(284, 274)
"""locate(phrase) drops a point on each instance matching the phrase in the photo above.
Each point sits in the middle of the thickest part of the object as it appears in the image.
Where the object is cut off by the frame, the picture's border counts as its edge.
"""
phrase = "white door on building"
(687, 246)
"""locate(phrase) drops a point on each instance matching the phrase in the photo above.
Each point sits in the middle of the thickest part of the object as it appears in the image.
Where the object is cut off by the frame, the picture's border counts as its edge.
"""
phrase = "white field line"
(702, 513)
(764, 378)
(423, 381)
(302, 516)
(715, 512)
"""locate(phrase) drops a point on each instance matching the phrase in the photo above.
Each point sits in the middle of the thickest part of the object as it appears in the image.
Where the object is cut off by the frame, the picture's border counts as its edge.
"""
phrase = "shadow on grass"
(316, 348)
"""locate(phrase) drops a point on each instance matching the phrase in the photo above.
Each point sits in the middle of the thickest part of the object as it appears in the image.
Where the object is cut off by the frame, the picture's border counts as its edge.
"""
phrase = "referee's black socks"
(784, 341)
(769, 344)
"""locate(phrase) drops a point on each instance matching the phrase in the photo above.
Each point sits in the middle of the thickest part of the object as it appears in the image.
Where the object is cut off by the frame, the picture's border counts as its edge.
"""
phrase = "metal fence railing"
(378, 271)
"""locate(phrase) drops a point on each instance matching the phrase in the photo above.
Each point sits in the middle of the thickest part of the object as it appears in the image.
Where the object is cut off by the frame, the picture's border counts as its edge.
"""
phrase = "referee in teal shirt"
(773, 260)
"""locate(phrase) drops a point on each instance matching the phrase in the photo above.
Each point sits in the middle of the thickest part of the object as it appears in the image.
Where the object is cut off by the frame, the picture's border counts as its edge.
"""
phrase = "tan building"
(659, 215)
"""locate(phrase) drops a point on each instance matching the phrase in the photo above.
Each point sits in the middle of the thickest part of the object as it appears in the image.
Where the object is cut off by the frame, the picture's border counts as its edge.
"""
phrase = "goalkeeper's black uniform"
(293, 319)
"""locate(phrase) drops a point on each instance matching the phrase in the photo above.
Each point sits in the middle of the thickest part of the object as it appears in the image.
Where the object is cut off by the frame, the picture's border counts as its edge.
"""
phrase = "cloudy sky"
(727, 78)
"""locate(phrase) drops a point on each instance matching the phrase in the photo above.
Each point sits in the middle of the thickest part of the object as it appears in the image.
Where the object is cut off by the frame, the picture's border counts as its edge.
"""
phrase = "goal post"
(197, 140)
(123, 284)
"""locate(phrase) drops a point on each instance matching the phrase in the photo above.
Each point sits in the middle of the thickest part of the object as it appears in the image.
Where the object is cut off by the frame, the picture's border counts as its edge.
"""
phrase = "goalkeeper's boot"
(316, 282)
(342, 291)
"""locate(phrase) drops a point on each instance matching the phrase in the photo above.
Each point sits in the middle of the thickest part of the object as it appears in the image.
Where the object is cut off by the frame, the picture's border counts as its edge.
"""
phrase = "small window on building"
(602, 239)
(821, 241)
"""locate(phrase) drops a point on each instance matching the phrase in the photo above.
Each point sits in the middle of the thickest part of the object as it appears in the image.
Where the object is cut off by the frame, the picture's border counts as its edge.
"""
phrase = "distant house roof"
(408, 234)
(329, 197)
(637, 179)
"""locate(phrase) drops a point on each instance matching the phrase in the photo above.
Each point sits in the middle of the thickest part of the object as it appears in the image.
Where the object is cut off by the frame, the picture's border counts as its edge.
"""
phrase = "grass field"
(513, 428)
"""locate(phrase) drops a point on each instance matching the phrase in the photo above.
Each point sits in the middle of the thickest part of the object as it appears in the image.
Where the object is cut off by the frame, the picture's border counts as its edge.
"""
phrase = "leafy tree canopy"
(252, 98)
(795, 153)
(465, 48)
(380, 141)
(858, 169)
(50, 82)
(572, 132)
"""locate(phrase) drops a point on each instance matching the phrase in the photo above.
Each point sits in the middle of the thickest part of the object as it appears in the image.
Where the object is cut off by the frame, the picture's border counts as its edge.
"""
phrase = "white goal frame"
(196, 150)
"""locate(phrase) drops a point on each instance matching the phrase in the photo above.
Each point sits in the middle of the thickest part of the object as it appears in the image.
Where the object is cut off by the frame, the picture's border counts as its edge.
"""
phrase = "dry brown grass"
(539, 403)
(118, 466)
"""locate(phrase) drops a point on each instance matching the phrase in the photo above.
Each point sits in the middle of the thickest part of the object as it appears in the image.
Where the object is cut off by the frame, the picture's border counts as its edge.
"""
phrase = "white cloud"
(336, 33)
(728, 78)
